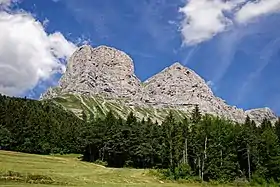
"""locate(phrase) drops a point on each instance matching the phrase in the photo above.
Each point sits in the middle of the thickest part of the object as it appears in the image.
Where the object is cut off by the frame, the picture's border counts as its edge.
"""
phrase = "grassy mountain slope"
(99, 106)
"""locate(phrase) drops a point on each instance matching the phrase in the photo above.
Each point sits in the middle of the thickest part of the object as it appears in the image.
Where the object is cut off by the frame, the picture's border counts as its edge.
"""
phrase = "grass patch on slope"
(100, 106)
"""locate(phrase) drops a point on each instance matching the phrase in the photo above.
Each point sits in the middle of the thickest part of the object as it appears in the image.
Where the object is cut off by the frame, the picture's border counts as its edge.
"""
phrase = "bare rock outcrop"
(109, 72)
(102, 70)
(182, 87)
(259, 114)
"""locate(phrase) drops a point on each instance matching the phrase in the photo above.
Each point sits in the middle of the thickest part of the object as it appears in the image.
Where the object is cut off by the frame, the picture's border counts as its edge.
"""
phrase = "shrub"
(182, 171)
(239, 182)
(102, 163)
(258, 179)
(128, 164)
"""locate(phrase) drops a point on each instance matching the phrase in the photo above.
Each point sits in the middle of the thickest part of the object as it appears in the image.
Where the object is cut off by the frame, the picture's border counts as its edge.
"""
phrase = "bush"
(261, 181)
(56, 150)
(157, 173)
(182, 171)
(258, 179)
(128, 164)
(167, 174)
(102, 163)
(214, 182)
(239, 182)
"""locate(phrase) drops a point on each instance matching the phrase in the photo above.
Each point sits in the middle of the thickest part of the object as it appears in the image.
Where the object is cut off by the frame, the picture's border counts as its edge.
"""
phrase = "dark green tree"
(196, 115)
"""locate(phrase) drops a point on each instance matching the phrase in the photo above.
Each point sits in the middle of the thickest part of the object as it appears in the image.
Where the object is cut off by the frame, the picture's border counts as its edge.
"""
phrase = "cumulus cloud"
(28, 54)
(203, 19)
(255, 9)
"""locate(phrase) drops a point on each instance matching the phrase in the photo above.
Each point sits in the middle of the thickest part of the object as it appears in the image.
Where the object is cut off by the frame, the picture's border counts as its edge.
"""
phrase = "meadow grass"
(20, 169)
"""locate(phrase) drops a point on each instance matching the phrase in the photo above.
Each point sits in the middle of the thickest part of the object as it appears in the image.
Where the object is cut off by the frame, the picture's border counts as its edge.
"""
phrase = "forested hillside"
(38, 127)
(205, 147)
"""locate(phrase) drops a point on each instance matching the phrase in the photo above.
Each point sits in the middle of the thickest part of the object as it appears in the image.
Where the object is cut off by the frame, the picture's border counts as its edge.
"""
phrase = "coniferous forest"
(201, 146)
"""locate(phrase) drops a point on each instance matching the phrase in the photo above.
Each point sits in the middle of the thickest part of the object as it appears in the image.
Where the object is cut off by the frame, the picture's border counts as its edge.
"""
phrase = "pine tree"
(221, 162)
(266, 124)
(131, 119)
(206, 125)
(186, 133)
(196, 115)
(277, 128)
(247, 148)
(269, 155)
(5, 138)
(168, 136)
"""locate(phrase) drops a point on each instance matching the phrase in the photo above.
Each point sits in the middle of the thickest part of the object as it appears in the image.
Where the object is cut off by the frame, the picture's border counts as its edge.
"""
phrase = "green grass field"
(19, 169)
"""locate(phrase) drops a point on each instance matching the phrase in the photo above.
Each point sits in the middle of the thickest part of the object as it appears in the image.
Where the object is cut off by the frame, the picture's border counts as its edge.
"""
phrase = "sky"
(233, 44)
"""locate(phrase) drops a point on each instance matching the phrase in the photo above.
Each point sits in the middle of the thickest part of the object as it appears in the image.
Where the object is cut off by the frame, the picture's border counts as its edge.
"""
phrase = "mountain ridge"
(109, 72)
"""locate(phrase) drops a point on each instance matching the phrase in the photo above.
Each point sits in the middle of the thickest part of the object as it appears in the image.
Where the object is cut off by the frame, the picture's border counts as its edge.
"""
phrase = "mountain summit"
(101, 70)
(109, 73)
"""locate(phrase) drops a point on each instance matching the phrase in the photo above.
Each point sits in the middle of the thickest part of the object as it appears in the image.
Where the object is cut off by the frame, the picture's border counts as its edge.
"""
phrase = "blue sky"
(241, 62)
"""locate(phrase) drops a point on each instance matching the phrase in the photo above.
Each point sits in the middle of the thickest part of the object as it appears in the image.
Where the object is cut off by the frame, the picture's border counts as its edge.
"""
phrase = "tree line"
(205, 146)
(202, 146)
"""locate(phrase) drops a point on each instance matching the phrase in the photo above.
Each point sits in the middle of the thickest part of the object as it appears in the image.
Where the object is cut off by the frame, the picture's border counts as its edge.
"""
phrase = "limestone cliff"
(108, 72)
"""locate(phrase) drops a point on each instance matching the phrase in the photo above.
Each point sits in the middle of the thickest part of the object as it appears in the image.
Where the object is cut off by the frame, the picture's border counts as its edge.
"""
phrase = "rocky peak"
(177, 65)
(109, 72)
(259, 114)
(176, 85)
(101, 70)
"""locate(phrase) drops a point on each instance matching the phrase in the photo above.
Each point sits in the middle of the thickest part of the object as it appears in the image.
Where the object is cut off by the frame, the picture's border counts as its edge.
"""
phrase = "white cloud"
(6, 3)
(59, 46)
(210, 83)
(253, 10)
(46, 22)
(203, 19)
(28, 54)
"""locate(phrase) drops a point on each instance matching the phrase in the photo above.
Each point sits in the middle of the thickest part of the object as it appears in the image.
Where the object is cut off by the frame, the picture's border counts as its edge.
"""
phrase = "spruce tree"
(196, 115)
(269, 155)
(168, 140)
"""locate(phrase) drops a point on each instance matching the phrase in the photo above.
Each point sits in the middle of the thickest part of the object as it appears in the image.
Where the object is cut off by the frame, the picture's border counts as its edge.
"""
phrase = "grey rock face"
(260, 113)
(102, 70)
(182, 87)
(109, 72)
